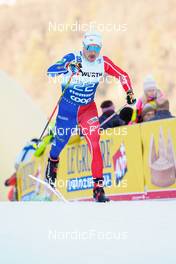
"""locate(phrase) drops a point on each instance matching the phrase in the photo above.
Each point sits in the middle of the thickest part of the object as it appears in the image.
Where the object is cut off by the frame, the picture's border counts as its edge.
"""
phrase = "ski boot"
(98, 191)
(51, 172)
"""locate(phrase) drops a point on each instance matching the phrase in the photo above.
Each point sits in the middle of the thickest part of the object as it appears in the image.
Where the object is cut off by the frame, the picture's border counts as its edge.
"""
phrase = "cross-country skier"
(77, 106)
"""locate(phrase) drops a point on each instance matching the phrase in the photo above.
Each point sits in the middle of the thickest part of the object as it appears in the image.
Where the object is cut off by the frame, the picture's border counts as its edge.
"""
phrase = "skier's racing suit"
(77, 105)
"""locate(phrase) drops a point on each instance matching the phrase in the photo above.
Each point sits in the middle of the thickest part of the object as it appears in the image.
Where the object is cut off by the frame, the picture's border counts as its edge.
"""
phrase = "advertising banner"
(122, 162)
(122, 168)
(159, 148)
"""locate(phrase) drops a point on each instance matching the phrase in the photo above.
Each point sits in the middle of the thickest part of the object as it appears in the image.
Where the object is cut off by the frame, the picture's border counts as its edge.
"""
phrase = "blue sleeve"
(60, 66)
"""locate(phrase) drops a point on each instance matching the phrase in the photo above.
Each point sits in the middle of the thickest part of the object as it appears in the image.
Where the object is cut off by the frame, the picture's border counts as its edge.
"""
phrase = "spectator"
(126, 114)
(151, 94)
(24, 156)
(162, 111)
(12, 181)
(26, 153)
(108, 109)
(148, 112)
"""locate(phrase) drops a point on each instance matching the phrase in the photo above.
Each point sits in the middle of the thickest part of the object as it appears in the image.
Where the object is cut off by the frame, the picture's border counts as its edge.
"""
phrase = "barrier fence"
(139, 163)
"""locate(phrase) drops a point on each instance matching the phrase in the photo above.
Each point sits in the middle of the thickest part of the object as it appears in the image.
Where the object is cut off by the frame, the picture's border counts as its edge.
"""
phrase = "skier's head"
(92, 43)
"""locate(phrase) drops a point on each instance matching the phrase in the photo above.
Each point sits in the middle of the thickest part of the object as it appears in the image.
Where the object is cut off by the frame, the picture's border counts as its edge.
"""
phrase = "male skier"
(83, 69)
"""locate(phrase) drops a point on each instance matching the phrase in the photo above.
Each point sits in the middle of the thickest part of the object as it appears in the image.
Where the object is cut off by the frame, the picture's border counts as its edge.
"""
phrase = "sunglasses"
(95, 48)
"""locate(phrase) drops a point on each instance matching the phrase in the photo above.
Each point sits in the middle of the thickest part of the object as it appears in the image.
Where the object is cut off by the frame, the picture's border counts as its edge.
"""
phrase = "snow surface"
(54, 232)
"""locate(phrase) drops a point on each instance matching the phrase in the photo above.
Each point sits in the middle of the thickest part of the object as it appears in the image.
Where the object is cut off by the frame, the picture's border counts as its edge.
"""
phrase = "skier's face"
(91, 52)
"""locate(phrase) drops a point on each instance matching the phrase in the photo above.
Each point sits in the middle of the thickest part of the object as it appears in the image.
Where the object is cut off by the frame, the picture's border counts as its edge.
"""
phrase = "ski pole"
(55, 108)
(56, 192)
(67, 85)
(111, 116)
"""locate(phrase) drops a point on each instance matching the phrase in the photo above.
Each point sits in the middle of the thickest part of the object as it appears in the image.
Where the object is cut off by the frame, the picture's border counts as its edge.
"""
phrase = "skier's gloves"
(74, 67)
(130, 97)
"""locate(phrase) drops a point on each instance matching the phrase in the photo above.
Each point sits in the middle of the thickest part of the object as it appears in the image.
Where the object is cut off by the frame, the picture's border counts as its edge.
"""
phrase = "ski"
(55, 191)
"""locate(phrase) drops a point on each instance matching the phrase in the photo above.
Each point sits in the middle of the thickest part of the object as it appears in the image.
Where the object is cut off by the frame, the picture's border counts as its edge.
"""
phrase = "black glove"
(130, 97)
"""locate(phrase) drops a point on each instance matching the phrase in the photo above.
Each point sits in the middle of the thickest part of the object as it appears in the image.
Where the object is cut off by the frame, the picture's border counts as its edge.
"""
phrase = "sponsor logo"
(85, 183)
(120, 163)
(63, 117)
(92, 120)
(80, 100)
(81, 94)
(92, 74)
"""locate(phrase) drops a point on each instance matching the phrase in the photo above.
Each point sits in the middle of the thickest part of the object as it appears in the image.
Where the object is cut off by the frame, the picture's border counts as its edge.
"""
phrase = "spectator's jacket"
(161, 114)
(12, 194)
(25, 155)
(42, 145)
(113, 122)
